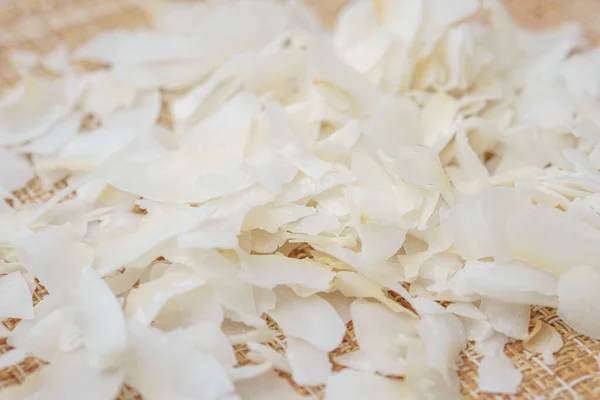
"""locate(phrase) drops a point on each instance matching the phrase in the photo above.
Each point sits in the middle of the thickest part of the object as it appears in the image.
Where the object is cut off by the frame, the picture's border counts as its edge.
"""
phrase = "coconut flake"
(512, 282)
(544, 339)
(308, 364)
(15, 297)
(352, 385)
(498, 375)
(268, 386)
(33, 106)
(15, 171)
(260, 353)
(507, 318)
(384, 349)
(577, 299)
(55, 255)
(553, 240)
(159, 225)
(309, 318)
(165, 365)
(55, 381)
(145, 302)
(105, 337)
(268, 271)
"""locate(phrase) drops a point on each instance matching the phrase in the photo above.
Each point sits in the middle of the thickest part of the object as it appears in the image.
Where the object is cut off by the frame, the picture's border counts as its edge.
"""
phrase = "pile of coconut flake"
(303, 176)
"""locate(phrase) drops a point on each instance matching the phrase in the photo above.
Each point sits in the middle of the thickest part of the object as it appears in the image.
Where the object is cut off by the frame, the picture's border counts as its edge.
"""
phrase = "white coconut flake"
(385, 349)
(158, 226)
(309, 365)
(498, 375)
(55, 381)
(544, 339)
(269, 271)
(352, 385)
(28, 110)
(512, 282)
(507, 318)
(145, 302)
(553, 240)
(260, 353)
(268, 386)
(101, 320)
(15, 171)
(55, 255)
(578, 299)
(309, 318)
(15, 297)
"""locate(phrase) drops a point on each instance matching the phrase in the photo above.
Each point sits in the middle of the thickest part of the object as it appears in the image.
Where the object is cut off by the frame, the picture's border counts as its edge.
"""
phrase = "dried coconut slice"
(578, 299)
(512, 282)
(155, 228)
(187, 309)
(142, 46)
(309, 365)
(57, 136)
(260, 353)
(443, 336)
(15, 171)
(55, 256)
(55, 381)
(352, 385)
(438, 16)
(268, 386)
(269, 217)
(553, 240)
(352, 284)
(208, 338)
(479, 224)
(34, 106)
(164, 365)
(89, 151)
(438, 117)
(544, 339)
(268, 271)
(15, 297)
(385, 349)
(309, 318)
(146, 301)
(104, 337)
(507, 318)
(498, 375)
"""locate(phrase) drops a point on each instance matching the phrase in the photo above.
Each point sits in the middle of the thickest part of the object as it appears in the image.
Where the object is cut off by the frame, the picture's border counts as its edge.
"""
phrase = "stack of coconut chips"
(302, 178)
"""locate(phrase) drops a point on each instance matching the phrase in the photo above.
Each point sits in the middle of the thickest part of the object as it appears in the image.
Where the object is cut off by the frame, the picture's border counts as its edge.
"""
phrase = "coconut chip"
(543, 339)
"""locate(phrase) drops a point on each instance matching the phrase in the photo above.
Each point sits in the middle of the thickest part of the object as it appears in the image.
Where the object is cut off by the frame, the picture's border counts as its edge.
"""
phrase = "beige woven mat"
(40, 25)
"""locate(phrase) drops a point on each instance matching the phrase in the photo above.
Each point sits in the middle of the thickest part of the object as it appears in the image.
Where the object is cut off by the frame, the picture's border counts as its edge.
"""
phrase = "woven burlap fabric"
(41, 25)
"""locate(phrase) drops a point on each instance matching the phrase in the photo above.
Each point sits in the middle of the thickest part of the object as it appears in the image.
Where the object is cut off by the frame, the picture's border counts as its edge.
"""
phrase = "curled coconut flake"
(145, 302)
(543, 339)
